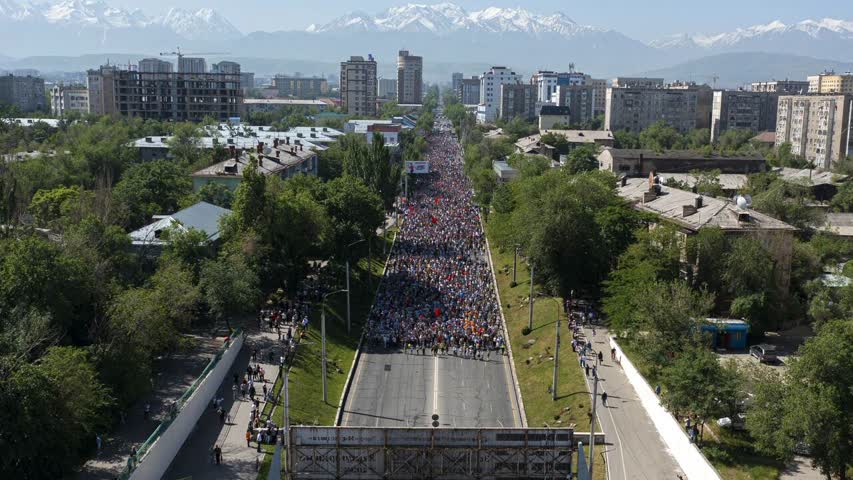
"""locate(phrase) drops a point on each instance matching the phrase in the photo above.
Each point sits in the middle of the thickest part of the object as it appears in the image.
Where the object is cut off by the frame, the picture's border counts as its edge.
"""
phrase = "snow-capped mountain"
(90, 25)
(447, 18)
(203, 24)
(826, 37)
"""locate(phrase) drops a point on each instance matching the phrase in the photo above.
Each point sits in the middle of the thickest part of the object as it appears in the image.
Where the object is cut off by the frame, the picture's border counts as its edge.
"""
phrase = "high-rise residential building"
(547, 82)
(580, 99)
(226, 67)
(490, 92)
(637, 82)
(247, 81)
(737, 109)
(831, 83)
(301, 87)
(684, 107)
(599, 86)
(192, 65)
(388, 88)
(155, 65)
(816, 126)
(456, 81)
(410, 80)
(469, 91)
(66, 99)
(176, 96)
(517, 100)
(792, 87)
(358, 86)
(24, 92)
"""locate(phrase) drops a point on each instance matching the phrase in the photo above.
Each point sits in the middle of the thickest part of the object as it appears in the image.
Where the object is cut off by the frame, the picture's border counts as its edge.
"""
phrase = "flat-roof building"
(300, 87)
(642, 162)
(740, 110)
(280, 160)
(816, 127)
(24, 92)
(358, 86)
(410, 81)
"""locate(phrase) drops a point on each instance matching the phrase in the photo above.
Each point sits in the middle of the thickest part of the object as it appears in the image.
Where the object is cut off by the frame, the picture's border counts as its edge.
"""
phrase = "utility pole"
(556, 357)
(286, 421)
(514, 264)
(849, 121)
(530, 320)
(323, 352)
(592, 420)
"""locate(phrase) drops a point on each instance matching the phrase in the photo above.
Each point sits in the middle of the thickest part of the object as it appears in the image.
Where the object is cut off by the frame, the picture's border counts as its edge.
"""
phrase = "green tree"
(697, 138)
(582, 159)
(185, 144)
(150, 188)
(626, 139)
(660, 137)
(697, 384)
(843, 200)
(813, 403)
(355, 210)
(217, 194)
(373, 165)
(789, 202)
(229, 286)
(50, 207)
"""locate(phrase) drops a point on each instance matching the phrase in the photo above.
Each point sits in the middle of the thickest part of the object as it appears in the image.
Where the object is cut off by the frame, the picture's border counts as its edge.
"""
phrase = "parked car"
(764, 353)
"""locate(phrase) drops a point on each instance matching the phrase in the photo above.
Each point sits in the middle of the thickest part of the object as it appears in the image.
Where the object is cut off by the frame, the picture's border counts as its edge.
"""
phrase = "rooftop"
(678, 207)
(554, 110)
(28, 122)
(810, 177)
(202, 216)
(634, 154)
(765, 137)
(840, 224)
(284, 102)
(270, 162)
(728, 181)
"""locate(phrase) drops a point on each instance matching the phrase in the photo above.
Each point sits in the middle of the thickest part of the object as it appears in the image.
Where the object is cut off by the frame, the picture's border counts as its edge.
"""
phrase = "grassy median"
(306, 381)
(533, 355)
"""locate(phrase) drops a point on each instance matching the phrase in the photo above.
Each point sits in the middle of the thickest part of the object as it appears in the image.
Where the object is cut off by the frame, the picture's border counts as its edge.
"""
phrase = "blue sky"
(644, 20)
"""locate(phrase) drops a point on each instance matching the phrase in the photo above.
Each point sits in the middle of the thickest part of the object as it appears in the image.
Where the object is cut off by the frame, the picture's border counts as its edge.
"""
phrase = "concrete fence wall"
(161, 454)
(689, 458)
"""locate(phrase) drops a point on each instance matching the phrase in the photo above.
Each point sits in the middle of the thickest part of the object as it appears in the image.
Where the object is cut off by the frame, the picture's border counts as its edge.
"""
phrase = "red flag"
(437, 312)
(434, 220)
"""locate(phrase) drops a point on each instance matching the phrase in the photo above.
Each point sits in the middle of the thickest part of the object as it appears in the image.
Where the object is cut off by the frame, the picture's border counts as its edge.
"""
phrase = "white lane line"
(621, 446)
(352, 395)
(435, 384)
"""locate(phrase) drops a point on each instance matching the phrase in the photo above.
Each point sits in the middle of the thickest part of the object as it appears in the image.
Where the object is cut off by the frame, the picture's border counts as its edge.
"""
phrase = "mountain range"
(442, 33)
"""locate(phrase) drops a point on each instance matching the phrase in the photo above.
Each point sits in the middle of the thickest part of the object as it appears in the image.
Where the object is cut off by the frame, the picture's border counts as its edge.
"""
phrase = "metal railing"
(175, 408)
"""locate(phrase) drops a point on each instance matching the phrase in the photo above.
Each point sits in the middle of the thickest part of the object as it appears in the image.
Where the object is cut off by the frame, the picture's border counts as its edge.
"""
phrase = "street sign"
(366, 453)
(415, 167)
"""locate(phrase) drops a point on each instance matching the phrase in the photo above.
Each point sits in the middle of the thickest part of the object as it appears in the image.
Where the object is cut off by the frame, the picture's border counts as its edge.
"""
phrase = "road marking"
(621, 449)
(435, 385)
(509, 384)
(354, 388)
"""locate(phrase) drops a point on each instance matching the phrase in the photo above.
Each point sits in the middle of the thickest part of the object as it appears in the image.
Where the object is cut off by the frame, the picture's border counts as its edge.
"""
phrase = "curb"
(355, 359)
(518, 400)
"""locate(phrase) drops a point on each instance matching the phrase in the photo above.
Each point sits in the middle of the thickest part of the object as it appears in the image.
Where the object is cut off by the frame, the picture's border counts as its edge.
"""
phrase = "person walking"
(600, 356)
(604, 398)
(146, 413)
(249, 438)
(98, 443)
(217, 452)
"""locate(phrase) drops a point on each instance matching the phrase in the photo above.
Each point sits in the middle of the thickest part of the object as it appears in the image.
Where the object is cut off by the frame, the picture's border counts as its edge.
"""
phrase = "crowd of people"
(438, 294)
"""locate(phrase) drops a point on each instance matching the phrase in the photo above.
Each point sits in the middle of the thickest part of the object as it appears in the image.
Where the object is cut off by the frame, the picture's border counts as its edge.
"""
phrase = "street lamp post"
(530, 320)
(323, 335)
(349, 247)
(514, 264)
(556, 354)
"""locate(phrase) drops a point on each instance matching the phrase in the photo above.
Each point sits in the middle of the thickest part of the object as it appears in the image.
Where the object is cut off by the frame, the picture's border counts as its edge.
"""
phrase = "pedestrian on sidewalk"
(98, 442)
(604, 398)
(613, 353)
(587, 370)
(234, 392)
(147, 411)
(260, 439)
(249, 438)
(217, 452)
(600, 356)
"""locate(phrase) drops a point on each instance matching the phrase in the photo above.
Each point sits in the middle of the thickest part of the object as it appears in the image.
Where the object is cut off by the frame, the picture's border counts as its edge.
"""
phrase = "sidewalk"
(176, 374)
(634, 448)
(238, 461)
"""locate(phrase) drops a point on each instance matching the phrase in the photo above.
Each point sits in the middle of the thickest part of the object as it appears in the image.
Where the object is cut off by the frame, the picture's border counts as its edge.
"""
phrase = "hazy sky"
(644, 20)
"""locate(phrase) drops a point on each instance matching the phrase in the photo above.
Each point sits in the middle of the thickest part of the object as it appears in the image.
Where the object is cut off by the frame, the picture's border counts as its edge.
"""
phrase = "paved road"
(635, 450)
(238, 460)
(395, 389)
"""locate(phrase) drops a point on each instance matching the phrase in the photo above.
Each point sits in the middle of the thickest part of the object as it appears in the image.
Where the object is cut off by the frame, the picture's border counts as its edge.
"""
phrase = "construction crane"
(178, 53)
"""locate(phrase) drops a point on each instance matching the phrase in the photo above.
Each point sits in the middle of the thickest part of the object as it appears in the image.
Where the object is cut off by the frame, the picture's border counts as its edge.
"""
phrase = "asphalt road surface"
(396, 389)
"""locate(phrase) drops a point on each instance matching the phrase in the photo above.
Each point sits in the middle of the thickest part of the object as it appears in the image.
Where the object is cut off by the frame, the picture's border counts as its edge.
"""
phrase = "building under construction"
(159, 93)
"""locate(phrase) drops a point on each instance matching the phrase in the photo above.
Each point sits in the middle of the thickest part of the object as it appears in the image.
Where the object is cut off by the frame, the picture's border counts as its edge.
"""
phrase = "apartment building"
(226, 67)
(66, 99)
(831, 83)
(580, 100)
(358, 86)
(792, 87)
(637, 82)
(24, 92)
(456, 81)
(177, 96)
(599, 87)
(683, 106)
(469, 91)
(517, 100)
(300, 87)
(490, 92)
(155, 65)
(410, 79)
(816, 126)
(192, 65)
(736, 109)
(388, 88)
